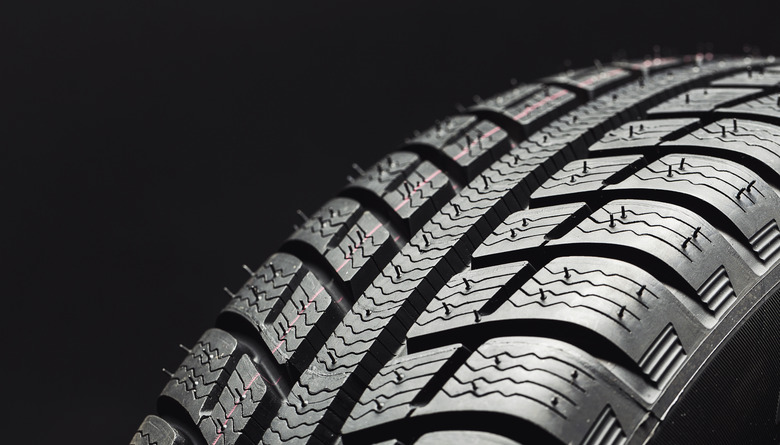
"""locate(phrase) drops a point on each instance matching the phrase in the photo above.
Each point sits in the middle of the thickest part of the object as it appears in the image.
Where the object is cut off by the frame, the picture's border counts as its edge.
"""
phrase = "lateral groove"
(541, 267)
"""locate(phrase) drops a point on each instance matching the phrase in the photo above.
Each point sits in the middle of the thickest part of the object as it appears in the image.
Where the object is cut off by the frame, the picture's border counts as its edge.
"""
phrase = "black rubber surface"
(556, 264)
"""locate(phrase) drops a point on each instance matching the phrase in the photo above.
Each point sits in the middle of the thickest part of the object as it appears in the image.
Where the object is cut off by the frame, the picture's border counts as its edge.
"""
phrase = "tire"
(586, 259)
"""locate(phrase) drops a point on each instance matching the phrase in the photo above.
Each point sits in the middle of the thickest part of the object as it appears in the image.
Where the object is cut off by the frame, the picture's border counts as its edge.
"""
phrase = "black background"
(149, 148)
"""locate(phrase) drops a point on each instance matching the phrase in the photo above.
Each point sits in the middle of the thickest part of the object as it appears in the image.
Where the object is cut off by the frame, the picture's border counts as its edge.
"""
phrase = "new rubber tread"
(555, 264)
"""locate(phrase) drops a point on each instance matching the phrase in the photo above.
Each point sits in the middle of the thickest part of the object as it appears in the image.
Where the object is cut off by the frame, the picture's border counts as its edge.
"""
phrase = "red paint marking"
(281, 341)
(246, 389)
(473, 143)
(531, 108)
(427, 180)
(311, 300)
(607, 75)
(269, 382)
(358, 245)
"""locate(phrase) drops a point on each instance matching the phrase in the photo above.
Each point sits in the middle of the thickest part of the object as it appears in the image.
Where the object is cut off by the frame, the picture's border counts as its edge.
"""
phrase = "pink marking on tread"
(358, 245)
(246, 389)
(427, 180)
(473, 143)
(311, 300)
(269, 382)
(532, 107)
(607, 75)
(289, 326)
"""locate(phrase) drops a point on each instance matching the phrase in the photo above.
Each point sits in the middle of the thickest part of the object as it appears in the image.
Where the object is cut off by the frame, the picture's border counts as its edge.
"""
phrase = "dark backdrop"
(149, 148)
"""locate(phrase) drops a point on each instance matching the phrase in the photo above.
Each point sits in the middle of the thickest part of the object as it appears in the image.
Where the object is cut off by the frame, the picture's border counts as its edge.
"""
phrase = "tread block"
(606, 430)
(531, 107)
(740, 194)
(521, 386)
(418, 197)
(469, 437)
(401, 386)
(615, 300)
(285, 303)
(374, 330)
(663, 357)
(766, 107)
(156, 431)
(354, 243)
(224, 392)
(409, 189)
(593, 81)
(197, 382)
(445, 132)
(717, 290)
(469, 150)
(721, 187)
(387, 174)
(579, 127)
(529, 112)
(702, 100)
(240, 411)
(673, 228)
(586, 175)
(651, 66)
(329, 224)
(668, 227)
(755, 144)
(309, 409)
(362, 253)
(759, 77)
(766, 242)
(527, 229)
(378, 321)
(301, 327)
(637, 134)
(499, 103)
(269, 289)
(477, 149)
(471, 293)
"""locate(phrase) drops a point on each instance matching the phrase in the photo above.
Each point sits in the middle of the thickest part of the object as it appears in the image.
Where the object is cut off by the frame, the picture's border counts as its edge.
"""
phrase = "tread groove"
(717, 290)
(606, 430)
(478, 199)
(660, 360)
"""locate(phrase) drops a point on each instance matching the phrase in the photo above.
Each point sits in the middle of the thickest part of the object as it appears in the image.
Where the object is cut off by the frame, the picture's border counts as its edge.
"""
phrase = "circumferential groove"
(371, 329)
(322, 430)
(318, 265)
(379, 208)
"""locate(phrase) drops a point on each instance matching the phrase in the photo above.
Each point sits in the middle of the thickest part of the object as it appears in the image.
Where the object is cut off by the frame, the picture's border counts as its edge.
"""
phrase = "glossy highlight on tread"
(551, 265)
